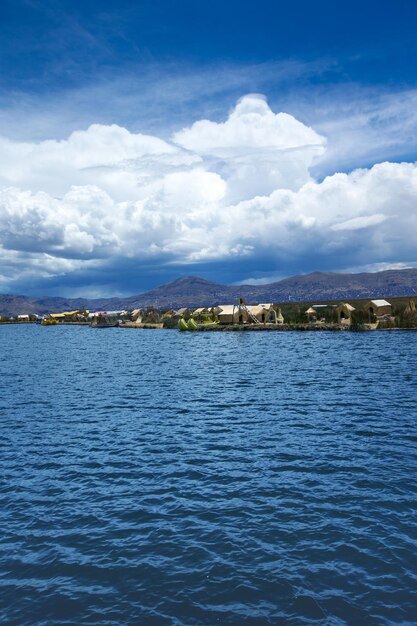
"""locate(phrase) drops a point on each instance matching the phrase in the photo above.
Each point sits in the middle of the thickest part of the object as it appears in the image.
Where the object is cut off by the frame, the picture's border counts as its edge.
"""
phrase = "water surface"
(158, 478)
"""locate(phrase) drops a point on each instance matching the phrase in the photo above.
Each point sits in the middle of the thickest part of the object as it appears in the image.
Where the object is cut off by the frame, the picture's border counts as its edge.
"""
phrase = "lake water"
(159, 478)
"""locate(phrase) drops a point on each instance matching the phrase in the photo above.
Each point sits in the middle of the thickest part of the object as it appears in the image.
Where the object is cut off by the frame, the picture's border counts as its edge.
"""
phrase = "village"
(361, 315)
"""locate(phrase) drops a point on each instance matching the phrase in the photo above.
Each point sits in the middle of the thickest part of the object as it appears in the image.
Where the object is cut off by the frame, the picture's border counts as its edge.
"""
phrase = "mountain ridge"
(196, 291)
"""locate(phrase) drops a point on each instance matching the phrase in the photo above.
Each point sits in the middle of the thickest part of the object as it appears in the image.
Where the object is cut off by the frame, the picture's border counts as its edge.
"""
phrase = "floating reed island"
(398, 313)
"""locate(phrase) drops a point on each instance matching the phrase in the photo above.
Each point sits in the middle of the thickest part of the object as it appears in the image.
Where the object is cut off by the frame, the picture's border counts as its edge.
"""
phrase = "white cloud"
(227, 190)
(258, 150)
(111, 157)
(251, 125)
(362, 124)
(356, 223)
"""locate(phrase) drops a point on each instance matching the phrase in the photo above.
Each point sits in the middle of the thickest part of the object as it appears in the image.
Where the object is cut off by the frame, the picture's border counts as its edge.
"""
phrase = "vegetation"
(151, 316)
(294, 313)
(170, 322)
(360, 319)
(205, 318)
(406, 315)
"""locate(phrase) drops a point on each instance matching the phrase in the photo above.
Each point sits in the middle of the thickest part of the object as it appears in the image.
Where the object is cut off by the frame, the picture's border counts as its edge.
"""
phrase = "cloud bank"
(216, 191)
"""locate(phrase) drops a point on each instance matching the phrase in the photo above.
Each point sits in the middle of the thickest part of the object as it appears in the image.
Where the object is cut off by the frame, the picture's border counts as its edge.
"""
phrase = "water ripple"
(161, 478)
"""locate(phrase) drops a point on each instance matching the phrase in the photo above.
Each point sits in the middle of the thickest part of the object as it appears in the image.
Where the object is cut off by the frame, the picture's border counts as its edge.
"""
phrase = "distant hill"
(195, 291)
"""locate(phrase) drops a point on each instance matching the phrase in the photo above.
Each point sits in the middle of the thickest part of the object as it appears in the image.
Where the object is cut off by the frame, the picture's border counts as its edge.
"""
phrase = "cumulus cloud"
(218, 190)
(259, 150)
(120, 162)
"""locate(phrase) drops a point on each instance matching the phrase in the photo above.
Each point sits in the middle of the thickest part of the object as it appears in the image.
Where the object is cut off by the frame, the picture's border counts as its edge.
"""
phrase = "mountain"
(186, 291)
(196, 291)
(335, 286)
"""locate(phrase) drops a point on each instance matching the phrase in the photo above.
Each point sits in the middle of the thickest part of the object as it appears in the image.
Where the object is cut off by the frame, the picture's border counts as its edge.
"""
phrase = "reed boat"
(48, 322)
(192, 324)
(101, 321)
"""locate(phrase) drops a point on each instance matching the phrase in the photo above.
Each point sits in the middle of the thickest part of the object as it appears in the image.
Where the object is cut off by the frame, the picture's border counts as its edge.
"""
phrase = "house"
(255, 313)
(75, 316)
(344, 313)
(202, 314)
(119, 314)
(23, 318)
(69, 316)
(263, 313)
(311, 314)
(320, 312)
(58, 317)
(137, 315)
(379, 308)
(183, 312)
(228, 313)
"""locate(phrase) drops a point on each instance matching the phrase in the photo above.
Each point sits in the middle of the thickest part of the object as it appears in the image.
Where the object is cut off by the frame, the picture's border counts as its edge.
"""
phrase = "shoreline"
(292, 327)
(233, 327)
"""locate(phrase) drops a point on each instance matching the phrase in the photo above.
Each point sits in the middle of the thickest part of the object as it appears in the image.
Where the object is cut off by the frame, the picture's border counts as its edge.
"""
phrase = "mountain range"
(193, 291)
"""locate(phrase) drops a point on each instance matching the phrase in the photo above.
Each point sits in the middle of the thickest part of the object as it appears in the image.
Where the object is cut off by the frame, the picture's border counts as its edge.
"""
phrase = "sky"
(141, 141)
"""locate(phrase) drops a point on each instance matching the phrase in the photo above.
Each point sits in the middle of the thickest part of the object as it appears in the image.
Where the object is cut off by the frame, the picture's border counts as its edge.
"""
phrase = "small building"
(69, 316)
(203, 314)
(75, 316)
(119, 314)
(23, 318)
(344, 313)
(311, 314)
(379, 308)
(252, 313)
(320, 312)
(228, 313)
(200, 311)
(137, 315)
(183, 312)
(58, 317)
(264, 313)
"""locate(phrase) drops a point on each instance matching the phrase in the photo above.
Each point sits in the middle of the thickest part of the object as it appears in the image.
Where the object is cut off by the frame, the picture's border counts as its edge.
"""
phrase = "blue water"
(158, 478)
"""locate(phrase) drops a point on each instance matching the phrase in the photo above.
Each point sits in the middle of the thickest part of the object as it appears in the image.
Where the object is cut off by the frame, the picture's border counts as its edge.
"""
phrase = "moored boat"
(103, 321)
(182, 324)
(48, 322)
(192, 324)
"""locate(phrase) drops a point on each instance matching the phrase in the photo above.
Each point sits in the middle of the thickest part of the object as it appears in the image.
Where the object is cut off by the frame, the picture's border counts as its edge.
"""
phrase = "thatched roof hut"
(228, 314)
(136, 315)
(344, 313)
(379, 308)
(183, 312)
(202, 310)
(233, 314)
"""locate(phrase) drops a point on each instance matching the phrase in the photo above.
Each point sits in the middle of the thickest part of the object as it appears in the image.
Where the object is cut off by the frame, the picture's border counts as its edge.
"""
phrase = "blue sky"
(141, 141)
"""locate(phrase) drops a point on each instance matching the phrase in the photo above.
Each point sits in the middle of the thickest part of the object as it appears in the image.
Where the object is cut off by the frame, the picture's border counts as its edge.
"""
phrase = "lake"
(165, 478)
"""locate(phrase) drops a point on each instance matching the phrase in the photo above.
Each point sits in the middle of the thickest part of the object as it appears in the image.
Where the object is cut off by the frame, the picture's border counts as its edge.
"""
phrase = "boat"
(48, 321)
(192, 324)
(182, 324)
(103, 321)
